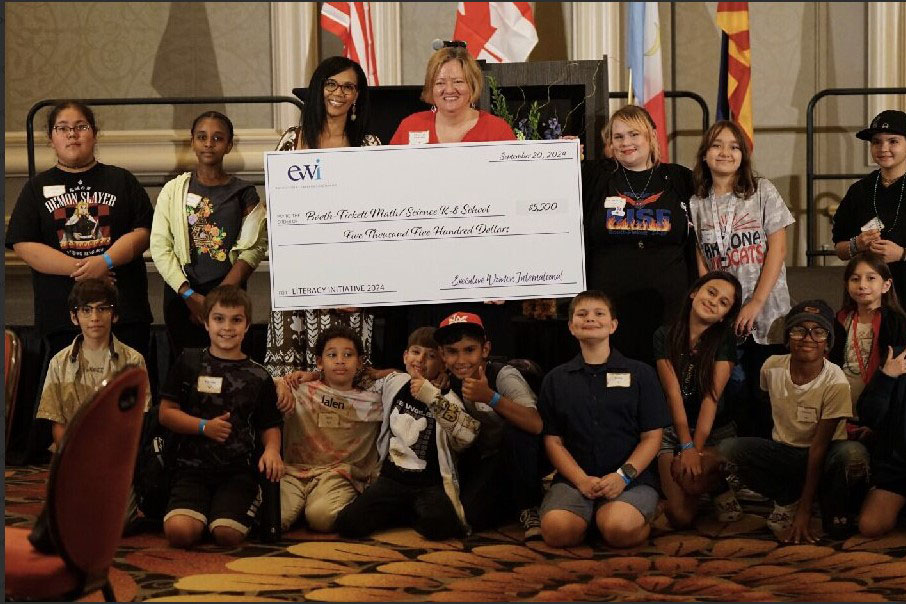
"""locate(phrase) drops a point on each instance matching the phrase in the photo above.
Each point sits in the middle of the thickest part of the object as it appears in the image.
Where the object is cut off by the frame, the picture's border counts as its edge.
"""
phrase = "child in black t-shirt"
(421, 434)
(221, 402)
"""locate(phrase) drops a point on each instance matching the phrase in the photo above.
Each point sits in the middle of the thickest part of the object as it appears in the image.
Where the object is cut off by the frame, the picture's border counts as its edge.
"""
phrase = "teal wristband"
(201, 426)
(495, 400)
(187, 294)
(688, 445)
(108, 261)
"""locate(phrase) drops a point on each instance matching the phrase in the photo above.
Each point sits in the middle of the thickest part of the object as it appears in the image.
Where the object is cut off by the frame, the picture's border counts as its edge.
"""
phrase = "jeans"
(496, 486)
(778, 471)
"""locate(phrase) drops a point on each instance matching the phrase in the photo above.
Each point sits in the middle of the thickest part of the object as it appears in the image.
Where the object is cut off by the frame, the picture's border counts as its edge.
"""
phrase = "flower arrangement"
(527, 127)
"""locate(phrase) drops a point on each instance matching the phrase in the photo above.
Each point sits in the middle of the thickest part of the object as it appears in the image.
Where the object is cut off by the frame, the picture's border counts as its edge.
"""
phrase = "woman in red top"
(452, 86)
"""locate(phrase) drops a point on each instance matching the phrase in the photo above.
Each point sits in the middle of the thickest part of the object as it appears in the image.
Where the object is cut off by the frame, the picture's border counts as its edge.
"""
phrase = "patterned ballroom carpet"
(739, 561)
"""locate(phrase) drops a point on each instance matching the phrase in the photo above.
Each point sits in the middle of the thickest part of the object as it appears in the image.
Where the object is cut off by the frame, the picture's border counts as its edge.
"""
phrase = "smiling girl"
(741, 221)
(209, 229)
(695, 355)
(639, 246)
(869, 322)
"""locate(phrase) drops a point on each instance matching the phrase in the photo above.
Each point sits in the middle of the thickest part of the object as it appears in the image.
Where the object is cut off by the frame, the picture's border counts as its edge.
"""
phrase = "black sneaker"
(531, 523)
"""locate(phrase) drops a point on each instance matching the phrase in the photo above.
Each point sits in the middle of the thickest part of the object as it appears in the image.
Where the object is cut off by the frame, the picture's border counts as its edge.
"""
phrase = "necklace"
(638, 196)
(64, 167)
(874, 197)
(889, 181)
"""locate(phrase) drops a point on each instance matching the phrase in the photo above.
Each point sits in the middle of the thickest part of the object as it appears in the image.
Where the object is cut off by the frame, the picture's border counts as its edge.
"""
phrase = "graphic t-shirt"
(741, 249)
(639, 248)
(333, 431)
(214, 220)
(241, 387)
(686, 374)
(412, 454)
(82, 214)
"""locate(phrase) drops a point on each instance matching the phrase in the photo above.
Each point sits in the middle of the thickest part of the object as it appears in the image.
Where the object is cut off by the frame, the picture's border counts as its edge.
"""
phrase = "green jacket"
(170, 233)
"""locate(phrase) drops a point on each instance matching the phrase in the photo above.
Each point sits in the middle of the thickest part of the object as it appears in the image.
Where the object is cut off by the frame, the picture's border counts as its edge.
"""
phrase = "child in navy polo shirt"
(603, 417)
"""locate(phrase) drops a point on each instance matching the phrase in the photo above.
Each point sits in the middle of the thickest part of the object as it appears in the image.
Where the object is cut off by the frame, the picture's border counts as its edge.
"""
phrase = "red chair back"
(11, 368)
(91, 475)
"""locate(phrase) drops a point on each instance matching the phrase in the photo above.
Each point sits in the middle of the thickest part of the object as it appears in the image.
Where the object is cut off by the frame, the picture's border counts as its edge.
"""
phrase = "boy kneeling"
(220, 404)
(603, 416)
(810, 402)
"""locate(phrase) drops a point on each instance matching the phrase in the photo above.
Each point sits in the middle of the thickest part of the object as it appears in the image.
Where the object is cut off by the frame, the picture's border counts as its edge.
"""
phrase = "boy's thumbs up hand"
(219, 428)
(416, 383)
(476, 388)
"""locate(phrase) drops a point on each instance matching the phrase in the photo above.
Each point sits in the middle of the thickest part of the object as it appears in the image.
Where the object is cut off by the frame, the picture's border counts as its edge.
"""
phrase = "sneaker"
(727, 507)
(531, 523)
(840, 528)
(744, 493)
(781, 518)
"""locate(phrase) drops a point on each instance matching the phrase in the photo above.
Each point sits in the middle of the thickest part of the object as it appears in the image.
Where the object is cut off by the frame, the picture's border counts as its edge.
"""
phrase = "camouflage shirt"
(242, 387)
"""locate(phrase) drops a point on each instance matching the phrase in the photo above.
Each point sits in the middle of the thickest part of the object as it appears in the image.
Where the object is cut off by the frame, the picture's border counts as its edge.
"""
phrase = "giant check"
(383, 226)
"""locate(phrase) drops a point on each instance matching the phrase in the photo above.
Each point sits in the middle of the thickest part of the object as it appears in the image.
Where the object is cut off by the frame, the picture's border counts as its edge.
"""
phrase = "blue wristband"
(688, 445)
(187, 294)
(495, 400)
(108, 261)
(625, 478)
(201, 426)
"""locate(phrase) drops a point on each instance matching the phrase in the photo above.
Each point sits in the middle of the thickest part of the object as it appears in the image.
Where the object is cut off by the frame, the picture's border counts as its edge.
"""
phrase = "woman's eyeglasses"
(102, 309)
(819, 334)
(348, 88)
(67, 129)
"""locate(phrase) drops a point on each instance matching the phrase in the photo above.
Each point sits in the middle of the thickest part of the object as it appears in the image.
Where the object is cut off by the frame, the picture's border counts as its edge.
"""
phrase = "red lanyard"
(857, 348)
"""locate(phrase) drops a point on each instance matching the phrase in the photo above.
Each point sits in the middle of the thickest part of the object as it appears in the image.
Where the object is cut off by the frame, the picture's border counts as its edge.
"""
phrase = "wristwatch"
(629, 470)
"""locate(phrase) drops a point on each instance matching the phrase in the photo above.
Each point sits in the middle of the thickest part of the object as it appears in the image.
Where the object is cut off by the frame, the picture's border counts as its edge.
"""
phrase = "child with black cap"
(809, 403)
(869, 216)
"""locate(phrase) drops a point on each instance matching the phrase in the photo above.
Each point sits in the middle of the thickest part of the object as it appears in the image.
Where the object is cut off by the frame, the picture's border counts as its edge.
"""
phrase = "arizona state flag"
(734, 92)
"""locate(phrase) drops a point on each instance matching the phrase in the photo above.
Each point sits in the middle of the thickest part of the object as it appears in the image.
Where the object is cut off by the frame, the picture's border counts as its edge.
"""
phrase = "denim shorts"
(564, 496)
(670, 442)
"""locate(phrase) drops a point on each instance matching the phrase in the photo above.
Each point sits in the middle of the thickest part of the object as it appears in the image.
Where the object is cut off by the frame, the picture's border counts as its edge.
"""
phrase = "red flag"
(498, 32)
(733, 19)
(351, 22)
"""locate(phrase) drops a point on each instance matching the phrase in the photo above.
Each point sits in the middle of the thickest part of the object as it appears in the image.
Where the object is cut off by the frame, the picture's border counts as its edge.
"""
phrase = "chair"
(11, 369)
(87, 491)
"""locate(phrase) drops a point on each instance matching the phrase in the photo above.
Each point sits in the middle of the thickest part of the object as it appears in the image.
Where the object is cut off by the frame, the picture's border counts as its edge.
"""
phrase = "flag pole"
(630, 97)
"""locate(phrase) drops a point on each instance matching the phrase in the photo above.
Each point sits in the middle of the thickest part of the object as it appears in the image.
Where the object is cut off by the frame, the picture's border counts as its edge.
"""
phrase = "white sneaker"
(781, 518)
(744, 493)
(727, 507)
(531, 523)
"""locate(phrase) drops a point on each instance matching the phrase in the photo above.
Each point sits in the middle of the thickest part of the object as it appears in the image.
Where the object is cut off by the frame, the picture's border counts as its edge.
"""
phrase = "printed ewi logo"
(306, 171)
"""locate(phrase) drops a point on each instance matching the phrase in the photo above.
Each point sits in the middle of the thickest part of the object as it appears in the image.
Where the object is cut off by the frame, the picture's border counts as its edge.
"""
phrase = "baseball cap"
(890, 121)
(811, 310)
(458, 319)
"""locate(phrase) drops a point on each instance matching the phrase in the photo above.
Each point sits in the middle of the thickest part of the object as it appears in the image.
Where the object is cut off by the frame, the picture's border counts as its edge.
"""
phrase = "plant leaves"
(384, 580)
(742, 548)
(508, 553)
(792, 554)
(409, 538)
(358, 594)
(681, 544)
(456, 559)
(242, 582)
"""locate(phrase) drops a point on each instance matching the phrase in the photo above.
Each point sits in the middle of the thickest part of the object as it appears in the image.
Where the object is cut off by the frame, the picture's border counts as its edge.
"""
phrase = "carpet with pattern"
(739, 561)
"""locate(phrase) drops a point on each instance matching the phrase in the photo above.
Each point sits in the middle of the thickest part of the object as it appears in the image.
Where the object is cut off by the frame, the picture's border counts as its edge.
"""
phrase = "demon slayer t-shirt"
(82, 214)
(639, 247)
(742, 248)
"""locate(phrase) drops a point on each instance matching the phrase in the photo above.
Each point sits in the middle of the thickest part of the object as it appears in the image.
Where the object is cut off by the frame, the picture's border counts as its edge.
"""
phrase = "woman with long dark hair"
(336, 115)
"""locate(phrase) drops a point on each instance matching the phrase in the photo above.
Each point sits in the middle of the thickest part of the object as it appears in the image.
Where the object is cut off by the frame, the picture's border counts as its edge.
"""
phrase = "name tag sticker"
(419, 138)
(709, 237)
(54, 190)
(807, 415)
(209, 384)
(193, 199)
(328, 420)
(618, 380)
(614, 202)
